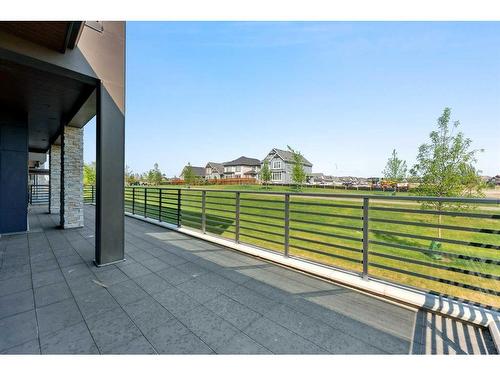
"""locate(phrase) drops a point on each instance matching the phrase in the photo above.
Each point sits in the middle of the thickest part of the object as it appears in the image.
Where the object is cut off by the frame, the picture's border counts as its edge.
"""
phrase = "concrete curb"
(391, 292)
(494, 328)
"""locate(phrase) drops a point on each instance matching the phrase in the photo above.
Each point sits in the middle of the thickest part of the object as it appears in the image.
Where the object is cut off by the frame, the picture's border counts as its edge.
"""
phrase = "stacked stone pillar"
(71, 212)
(55, 179)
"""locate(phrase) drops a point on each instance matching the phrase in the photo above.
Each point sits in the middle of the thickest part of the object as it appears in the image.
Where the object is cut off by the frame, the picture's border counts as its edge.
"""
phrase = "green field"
(336, 240)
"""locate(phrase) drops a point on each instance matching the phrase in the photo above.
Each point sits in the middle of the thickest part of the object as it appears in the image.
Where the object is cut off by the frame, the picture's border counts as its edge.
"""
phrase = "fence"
(38, 194)
(445, 246)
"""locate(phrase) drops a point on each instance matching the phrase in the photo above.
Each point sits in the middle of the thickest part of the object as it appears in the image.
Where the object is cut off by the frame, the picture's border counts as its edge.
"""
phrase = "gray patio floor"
(176, 294)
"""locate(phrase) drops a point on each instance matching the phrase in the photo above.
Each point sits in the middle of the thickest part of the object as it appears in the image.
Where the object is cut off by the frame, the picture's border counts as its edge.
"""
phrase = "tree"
(265, 172)
(89, 173)
(446, 166)
(130, 176)
(154, 176)
(188, 174)
(298, 173)
(395, 168)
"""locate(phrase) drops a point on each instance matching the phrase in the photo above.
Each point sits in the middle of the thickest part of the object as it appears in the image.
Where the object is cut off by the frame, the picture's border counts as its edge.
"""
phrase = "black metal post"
(287, 224)
(203, 213)
(133, 201)
(179, 207)
(159, 204)
(366, 202)
(237, 218)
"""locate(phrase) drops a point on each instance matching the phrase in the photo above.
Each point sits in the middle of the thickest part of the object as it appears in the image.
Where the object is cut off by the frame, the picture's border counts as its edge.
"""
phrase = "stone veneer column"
(55, 179)
(72, 178)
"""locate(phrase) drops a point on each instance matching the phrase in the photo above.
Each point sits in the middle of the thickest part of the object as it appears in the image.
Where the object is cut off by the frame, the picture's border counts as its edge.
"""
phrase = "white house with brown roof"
(243, 167)
(214, 170)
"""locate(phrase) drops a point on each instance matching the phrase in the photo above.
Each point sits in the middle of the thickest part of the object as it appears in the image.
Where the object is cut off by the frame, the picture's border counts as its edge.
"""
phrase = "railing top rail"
(351, 196)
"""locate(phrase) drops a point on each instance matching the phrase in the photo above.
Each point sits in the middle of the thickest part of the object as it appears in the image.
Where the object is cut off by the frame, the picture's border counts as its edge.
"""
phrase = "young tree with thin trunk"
(298, 173)
(395, 168)
(265, 173)
(188, 175)
(446, 166)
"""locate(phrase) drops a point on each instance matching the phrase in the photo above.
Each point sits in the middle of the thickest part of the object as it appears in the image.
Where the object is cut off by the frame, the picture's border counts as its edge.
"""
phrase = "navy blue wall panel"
(13, 174)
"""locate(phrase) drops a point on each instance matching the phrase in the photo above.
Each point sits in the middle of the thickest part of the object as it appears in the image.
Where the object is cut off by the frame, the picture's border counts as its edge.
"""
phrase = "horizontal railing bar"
(183, 213)
(190, 200)
(432, 265)
(428, 238)
(445, 253)
(371, 196)
(220, 204)
(190, 205)
(350, 238)
(261, 200)
(436, 212)
(262, 208)
(261, 231)
(216, 196)
(219, 210)
(225, 230)
(437, 279)
(325, 253)
(327, 215)
(220, 221)
(260, 238)
(442, 226)
(328, 225)
(317, 242)
(260, 215)
(328, 204)
(262, 223)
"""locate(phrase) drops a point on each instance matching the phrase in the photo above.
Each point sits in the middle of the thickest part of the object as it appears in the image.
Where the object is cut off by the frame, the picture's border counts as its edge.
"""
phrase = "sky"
(343, 93)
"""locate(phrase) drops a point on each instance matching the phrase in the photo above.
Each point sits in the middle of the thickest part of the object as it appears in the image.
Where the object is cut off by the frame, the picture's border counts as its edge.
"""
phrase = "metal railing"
(88, 193)
(38, 194)
(447, 251)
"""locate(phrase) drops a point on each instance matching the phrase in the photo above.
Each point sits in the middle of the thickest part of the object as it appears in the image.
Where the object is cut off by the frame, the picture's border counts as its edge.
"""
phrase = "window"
(277, 164)
(238, 169)
(276, 176)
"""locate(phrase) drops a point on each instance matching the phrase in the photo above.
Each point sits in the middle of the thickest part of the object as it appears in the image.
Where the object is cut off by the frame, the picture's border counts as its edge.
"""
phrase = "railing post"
(237, 219)
(133, 201)
(203, 213)
(287, 223)
(145, 200)
(179, 207)
(366, 202)
(159, 207)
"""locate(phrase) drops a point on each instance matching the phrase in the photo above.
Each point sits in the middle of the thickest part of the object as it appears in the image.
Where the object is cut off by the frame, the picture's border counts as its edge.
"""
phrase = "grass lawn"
(317, 235)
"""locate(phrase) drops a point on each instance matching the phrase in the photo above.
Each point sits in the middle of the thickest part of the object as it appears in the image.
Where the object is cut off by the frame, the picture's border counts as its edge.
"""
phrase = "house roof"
(198, 171)
(288, 156)
(218, 167)
(243, 160)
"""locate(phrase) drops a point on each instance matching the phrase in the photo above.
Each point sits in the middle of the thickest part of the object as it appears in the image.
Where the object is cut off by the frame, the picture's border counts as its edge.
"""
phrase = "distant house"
(199, 172)
(214, 170)
(320, 179)
(242, 167)
(281, 164)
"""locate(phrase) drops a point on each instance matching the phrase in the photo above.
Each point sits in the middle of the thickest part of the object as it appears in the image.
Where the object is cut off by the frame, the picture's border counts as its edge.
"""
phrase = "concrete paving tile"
(152, 283)
(110, 276)
(242, 344)
(17, 329)
(232, 311)
(138, 345)
(135, 270)
(74, 339)
(48, 294)
(57, 316)
(16, 303)
(147, 313)
(112, 329)
(30, 347)
(251, 299)
(96, 303)
(198, 290)
(127, 292)
(176, 301)
(47, 278)
(208, 326)
(155, 264)
(15, 285)
(175, 338)
(173, 275)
